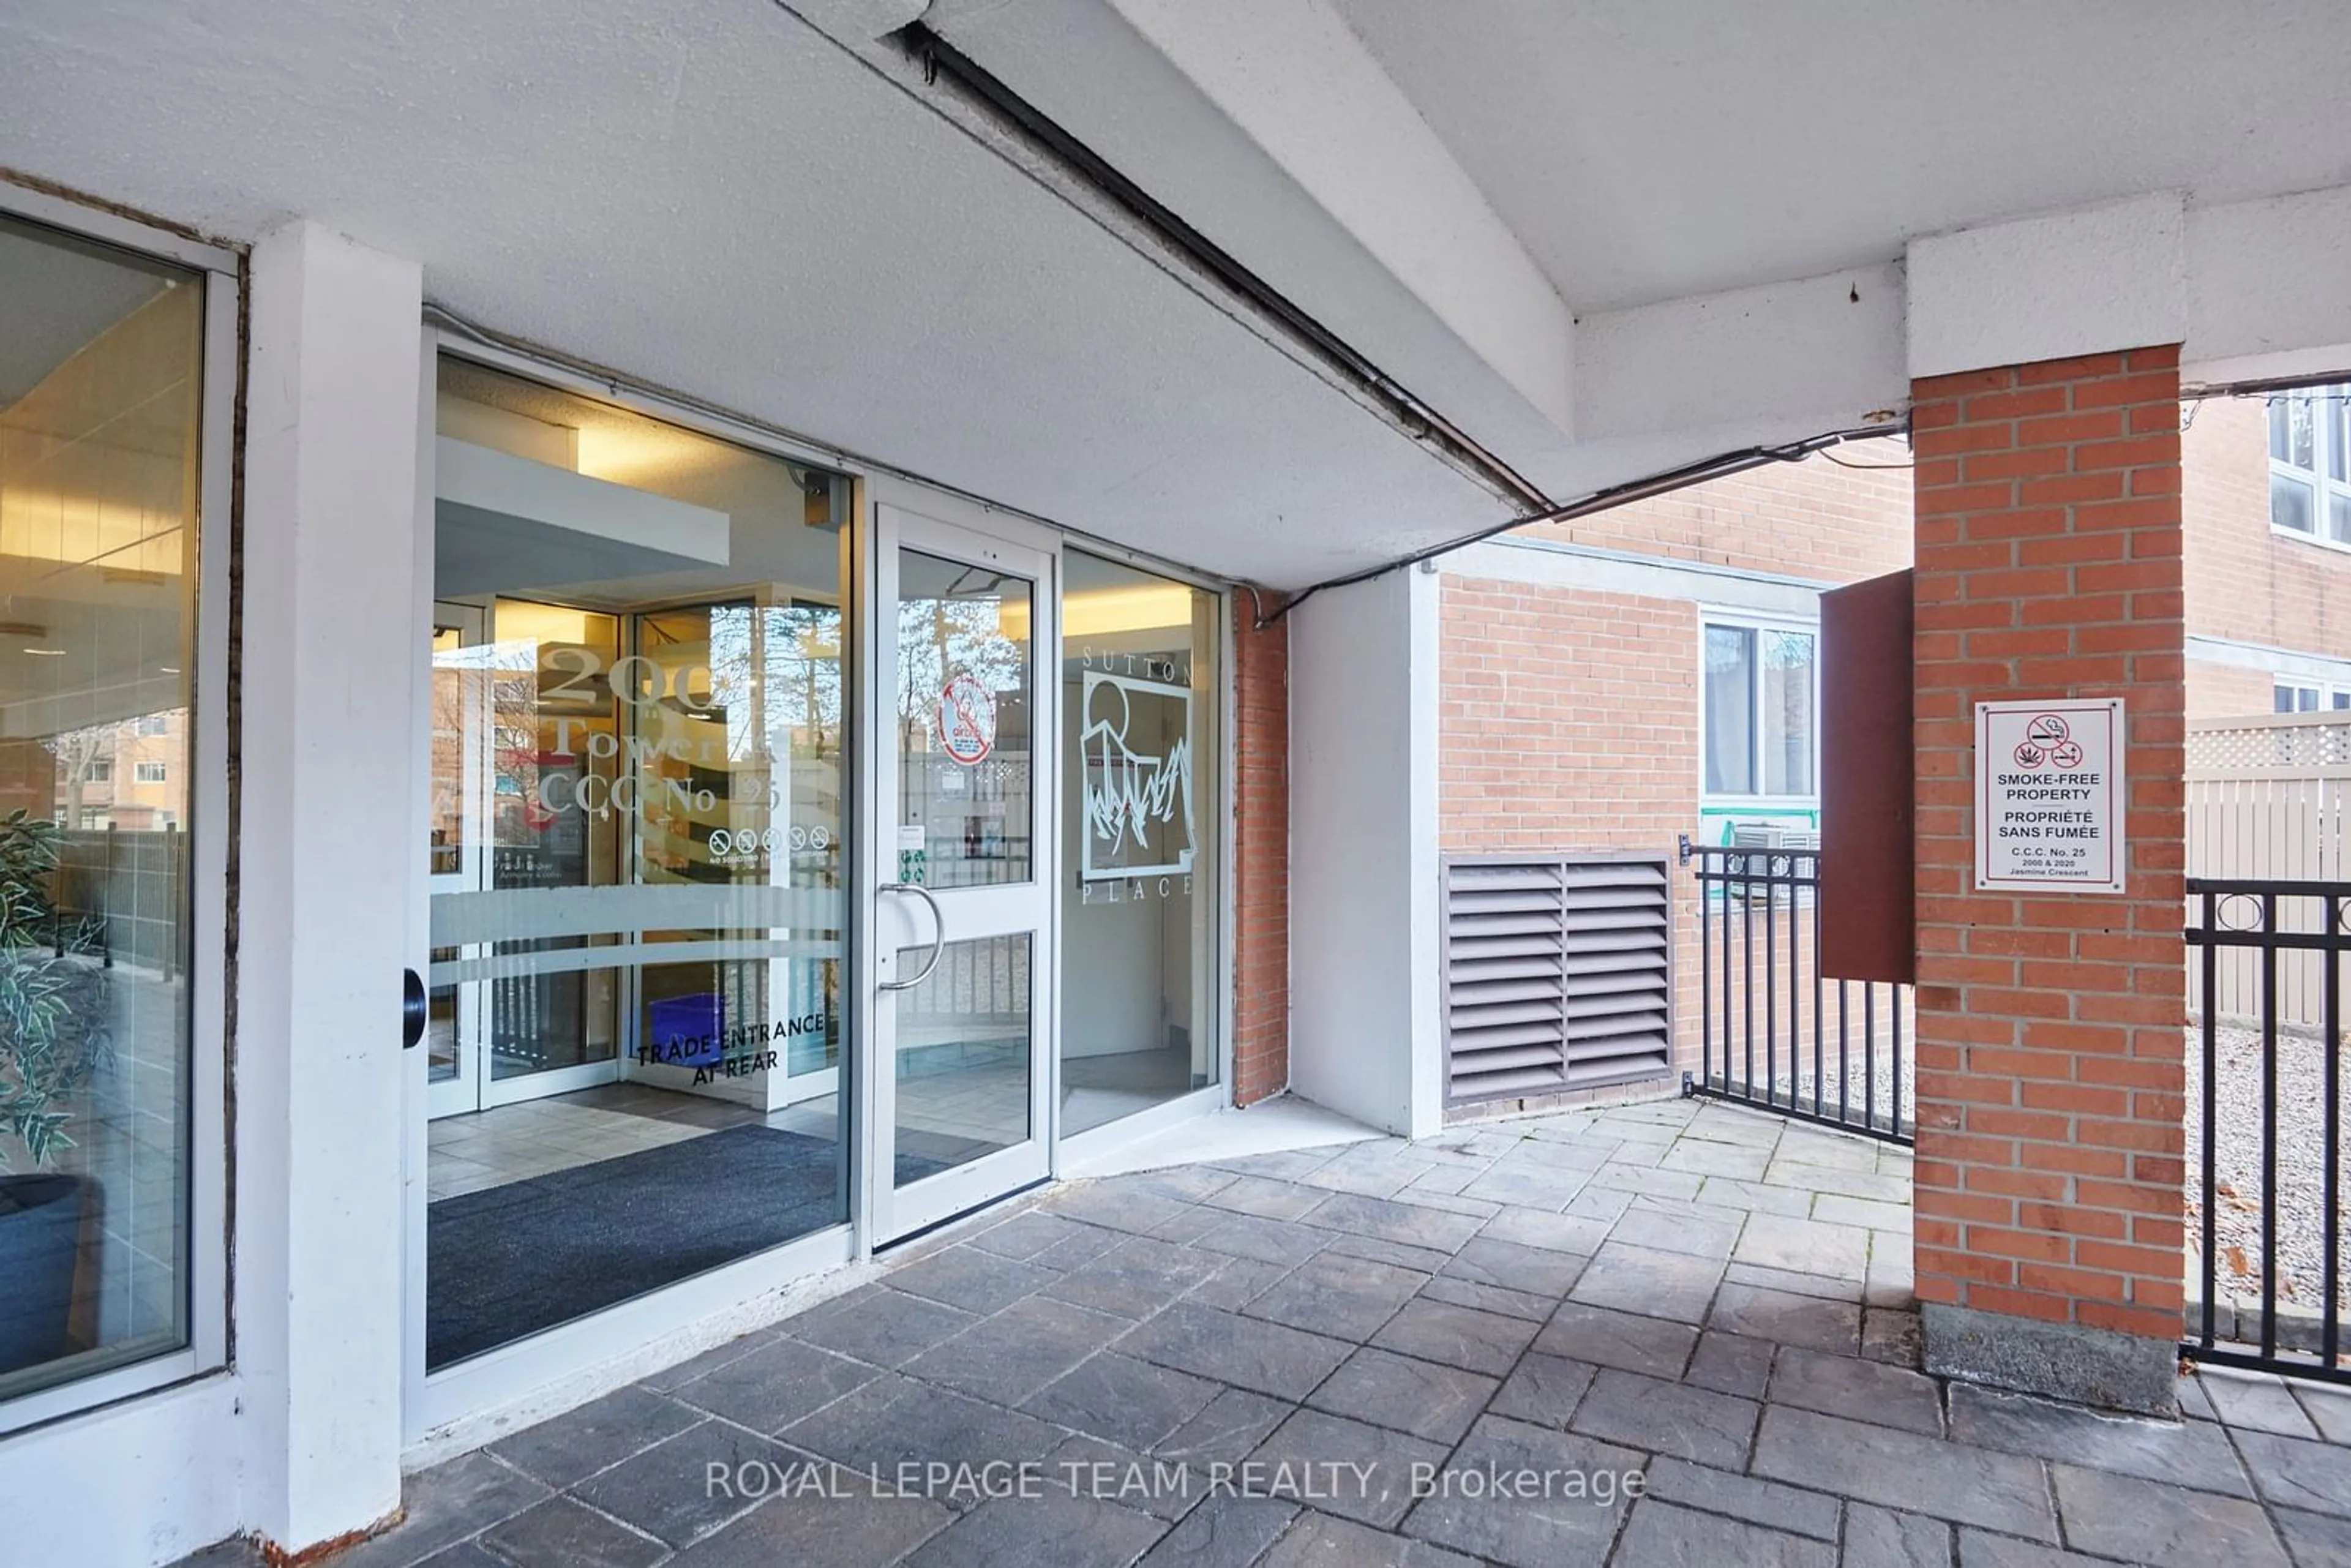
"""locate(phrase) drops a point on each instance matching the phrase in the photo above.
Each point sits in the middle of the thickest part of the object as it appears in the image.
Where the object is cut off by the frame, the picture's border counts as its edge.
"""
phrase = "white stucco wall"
(324, 917)
(142, 1482)
(1364, 1036)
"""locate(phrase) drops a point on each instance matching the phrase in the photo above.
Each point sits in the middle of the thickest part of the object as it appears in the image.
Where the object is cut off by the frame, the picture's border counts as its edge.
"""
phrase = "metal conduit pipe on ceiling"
(938, 57)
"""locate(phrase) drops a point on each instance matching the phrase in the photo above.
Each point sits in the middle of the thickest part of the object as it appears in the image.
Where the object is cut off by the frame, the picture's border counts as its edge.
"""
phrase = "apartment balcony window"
(1759, 702)
(2310, 463)
(2311, 696)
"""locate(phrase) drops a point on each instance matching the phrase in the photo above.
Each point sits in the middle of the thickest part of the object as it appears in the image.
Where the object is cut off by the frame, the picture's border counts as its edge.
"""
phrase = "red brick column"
(2050, 1043)
(1261, 852)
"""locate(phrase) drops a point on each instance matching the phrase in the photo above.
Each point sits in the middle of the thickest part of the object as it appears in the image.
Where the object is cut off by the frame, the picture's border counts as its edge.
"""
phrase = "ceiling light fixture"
(47, 653)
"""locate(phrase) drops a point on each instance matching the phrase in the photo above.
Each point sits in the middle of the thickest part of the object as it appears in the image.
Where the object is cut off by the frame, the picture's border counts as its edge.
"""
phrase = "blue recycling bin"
(702, 1017)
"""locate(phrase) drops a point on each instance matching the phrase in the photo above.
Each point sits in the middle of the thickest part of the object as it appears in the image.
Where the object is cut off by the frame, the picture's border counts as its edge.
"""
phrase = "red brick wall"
(1816, 519)
(1570, 721)
(1260, 853)
(2246, 581)
(2225, 691)
(1570, 724)
(2050, 1027)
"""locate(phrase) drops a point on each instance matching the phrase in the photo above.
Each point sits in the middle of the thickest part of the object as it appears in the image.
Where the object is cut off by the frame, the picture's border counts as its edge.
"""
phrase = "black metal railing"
(125, 892)
(1773, 1030)
(2265, 1112)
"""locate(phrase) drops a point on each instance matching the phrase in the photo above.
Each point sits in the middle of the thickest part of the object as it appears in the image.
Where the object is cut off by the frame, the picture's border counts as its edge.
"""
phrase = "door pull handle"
(939, 934)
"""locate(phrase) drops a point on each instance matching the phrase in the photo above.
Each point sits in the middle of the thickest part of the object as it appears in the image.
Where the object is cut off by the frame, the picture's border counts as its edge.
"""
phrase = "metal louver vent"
(1558, 974)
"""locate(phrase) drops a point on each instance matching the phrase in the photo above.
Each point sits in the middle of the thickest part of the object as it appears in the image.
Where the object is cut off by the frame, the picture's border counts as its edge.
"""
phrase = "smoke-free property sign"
(2049, 797)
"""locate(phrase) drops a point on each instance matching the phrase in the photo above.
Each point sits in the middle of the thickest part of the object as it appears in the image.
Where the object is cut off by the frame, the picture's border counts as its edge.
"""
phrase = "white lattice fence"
(2267, 799)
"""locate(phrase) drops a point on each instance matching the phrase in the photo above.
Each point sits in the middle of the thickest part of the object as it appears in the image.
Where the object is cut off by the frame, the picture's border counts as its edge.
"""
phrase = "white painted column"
(1365, 1037)
(326, 865)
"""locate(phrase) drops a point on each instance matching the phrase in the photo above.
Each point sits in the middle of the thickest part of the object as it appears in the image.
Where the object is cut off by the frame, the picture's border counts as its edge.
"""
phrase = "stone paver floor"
(1450, 1351)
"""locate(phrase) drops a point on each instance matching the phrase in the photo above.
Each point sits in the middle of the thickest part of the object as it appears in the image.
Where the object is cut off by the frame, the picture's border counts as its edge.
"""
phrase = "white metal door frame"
(902, 922)
(455, 1096)
(889, 513)
(468, 1403)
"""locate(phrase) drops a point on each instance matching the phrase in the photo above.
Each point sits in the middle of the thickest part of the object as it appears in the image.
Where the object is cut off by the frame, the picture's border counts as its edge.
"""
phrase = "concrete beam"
(1818, 353)
(1275, 131)
(2269, 292)
(1308, 93)
(2054, 286)
(859, 21)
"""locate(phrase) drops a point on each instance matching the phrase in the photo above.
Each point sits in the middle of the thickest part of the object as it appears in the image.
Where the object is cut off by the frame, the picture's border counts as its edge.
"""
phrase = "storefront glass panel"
(638, 858)
(967, 813)
(965, 802)
(101, 394)
(1142, 758)
(964, 1054)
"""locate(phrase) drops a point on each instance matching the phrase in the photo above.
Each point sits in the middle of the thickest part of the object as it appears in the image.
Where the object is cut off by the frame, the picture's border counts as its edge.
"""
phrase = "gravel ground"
(1855, 1079)
(2301, 1161)
(2301, 1155)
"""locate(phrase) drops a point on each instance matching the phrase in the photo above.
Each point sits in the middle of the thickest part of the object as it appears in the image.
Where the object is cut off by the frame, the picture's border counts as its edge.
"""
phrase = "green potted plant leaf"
(54, 1039)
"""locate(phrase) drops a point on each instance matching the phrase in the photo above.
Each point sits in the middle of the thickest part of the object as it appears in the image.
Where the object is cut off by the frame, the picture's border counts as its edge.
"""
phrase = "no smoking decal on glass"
(2049, 797)
(966, 720)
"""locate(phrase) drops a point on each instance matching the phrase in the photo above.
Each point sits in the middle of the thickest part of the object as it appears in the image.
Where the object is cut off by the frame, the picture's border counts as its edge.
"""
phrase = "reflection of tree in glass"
(1726, 650)
(804, 665)
(78, 751)
(1788, 687)
(733, 677)
(504, 677)
(797, 663)
(941, 638)
(2298, 439)
(1787, 650)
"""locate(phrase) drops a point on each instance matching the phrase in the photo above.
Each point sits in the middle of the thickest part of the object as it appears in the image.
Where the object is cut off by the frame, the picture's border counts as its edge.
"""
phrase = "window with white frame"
(108, 1163)
(1758, 703)
(2310, 463)
(2311, 696)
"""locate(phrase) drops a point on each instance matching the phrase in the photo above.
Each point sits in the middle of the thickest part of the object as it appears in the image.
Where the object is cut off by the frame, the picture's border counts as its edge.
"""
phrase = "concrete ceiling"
(1609, 239)
(1604, 240)
(1646, 149)
(719, 198)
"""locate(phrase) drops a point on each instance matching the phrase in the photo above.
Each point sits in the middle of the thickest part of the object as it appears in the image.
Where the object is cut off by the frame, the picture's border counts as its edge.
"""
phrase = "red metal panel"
(1868, 907)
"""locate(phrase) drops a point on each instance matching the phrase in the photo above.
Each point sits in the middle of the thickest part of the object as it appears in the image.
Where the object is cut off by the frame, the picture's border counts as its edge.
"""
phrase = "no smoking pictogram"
(966, 720)
(2048, 738)
(2048, 796)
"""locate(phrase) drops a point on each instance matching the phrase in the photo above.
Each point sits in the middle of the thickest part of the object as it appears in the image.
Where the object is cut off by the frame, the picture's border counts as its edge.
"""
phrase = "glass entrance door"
(638, 854)
(963, 954)
(542, 1025)
(458, 856)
